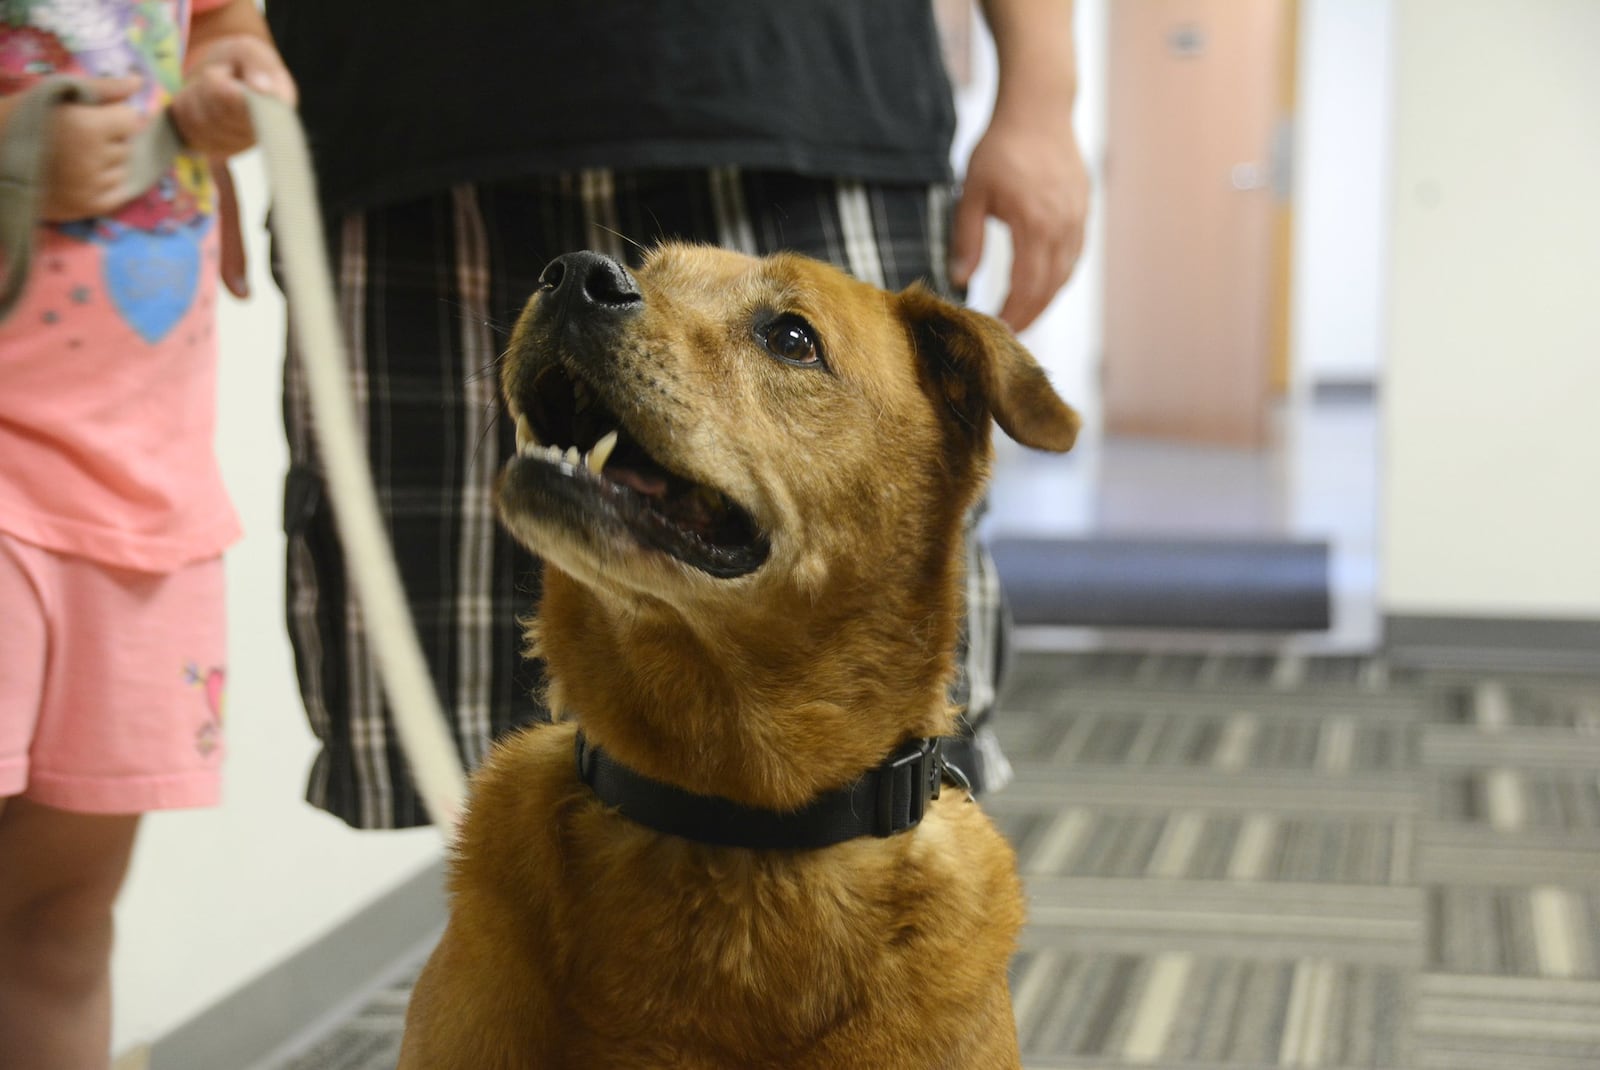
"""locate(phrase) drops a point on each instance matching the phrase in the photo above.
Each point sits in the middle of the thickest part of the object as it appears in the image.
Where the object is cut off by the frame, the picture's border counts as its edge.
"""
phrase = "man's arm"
(1027, 170)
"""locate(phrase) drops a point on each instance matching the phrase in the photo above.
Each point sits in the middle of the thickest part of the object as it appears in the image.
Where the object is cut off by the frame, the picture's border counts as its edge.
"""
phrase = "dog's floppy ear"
(981, 369)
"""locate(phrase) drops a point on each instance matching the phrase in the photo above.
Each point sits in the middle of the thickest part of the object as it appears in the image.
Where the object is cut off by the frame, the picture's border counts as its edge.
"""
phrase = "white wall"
(1492, 496)
(1341, 189)
(1067, 335)
(217, 897)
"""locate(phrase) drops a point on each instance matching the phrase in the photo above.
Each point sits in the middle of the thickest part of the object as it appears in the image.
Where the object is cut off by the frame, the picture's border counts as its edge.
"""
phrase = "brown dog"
(751, 593)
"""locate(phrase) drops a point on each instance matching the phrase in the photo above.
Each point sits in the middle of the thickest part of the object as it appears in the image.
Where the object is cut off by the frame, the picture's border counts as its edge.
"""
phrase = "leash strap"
(886, 800)
(308, 283)
(24, 152)
(24, 155)
(296, 221)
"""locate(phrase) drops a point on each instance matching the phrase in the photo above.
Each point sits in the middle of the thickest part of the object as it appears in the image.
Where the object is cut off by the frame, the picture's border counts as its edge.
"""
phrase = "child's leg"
(128, 718)
(59, 876)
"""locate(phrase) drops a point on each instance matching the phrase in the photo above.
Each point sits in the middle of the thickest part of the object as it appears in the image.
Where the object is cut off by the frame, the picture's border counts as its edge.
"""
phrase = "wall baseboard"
(1501, 643)
(316, 987)
(136, 1058)
(1346, 391)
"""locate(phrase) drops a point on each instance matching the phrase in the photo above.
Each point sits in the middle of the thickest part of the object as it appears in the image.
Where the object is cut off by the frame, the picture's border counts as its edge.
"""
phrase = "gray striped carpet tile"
(1268, 793)
(1453, 853)
(1507, 799)
(1042, 673)
(1549, 749)
(1355, 923)
(368, 1041)
(1179, 1009)
(1494, 704)
(1497, 1023)
(1241, 739)
(358, 1045)
(1082, 841)
(1541, 931)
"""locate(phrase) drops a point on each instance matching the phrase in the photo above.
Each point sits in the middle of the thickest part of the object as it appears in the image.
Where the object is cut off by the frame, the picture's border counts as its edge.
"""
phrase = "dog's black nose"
(586, 278)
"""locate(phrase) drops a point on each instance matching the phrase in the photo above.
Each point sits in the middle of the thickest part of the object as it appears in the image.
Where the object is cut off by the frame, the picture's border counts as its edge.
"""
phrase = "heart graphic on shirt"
(215, 679)
(208, 737)
(151, 276)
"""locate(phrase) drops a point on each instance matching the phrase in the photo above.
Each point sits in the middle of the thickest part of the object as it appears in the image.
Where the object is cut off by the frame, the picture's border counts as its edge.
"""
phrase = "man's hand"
(1033, 179)
(1026, 170)
(90, 146)
(210, 111)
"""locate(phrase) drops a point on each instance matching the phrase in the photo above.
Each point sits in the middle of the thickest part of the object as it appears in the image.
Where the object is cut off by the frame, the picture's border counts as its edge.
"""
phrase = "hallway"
(1316, 482)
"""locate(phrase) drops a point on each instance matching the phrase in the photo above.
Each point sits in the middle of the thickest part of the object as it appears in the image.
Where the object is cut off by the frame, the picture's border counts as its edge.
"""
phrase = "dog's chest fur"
(649, 951)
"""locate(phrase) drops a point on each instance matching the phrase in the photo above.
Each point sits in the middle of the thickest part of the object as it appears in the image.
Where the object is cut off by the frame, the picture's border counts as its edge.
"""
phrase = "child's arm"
(87, 172)
(228, 46)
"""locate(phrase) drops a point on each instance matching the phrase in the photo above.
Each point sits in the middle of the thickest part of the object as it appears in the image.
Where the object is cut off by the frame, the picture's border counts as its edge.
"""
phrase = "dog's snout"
(590, 279)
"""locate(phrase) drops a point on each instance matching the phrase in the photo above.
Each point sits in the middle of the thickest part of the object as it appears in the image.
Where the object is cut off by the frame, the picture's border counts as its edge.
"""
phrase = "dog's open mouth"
(574, 449)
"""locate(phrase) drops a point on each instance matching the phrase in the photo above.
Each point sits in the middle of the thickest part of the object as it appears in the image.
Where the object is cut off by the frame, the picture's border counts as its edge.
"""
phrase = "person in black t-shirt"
(461, 147)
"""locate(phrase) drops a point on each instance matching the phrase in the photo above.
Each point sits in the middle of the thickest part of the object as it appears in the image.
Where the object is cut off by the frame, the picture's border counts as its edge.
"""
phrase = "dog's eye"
(789, 338)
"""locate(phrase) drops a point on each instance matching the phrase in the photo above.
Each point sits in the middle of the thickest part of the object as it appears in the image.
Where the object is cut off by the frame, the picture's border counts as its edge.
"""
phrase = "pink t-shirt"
(108, 364)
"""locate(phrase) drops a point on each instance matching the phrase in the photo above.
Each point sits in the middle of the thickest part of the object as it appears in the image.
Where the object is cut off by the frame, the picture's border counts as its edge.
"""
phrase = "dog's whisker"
(490, 368)
(496, 408)
(624, 237)
(469, 314)
(661, 231)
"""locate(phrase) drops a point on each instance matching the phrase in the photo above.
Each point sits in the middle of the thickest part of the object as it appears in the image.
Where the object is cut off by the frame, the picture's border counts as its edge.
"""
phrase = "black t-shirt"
(402, 99)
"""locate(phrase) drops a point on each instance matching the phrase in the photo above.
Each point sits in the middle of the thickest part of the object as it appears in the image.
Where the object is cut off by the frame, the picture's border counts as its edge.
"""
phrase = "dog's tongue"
(650, 486)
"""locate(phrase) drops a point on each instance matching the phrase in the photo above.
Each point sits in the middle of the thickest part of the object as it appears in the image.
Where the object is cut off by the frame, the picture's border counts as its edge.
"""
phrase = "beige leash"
(297, 224)
(369, 558)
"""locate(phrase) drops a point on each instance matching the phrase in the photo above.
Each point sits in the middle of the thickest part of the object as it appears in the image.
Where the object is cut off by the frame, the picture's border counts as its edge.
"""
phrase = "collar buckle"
(913, 775)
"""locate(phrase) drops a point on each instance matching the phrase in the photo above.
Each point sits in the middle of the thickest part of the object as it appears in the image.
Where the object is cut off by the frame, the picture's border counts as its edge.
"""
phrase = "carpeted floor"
(1238, 863)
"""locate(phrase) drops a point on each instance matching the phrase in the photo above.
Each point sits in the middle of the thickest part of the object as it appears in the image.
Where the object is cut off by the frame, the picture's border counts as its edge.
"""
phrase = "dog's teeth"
(525, 436)
(601, 452)
(571, 456)
(552, 454)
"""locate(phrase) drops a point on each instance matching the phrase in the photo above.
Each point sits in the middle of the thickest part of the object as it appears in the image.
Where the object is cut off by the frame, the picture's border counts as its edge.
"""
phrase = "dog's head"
(717, 421)
(766, 452)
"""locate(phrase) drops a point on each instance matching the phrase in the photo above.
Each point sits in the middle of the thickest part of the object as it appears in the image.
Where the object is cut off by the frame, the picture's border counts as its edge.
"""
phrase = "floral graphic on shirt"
(213, 680)
(152, 257)
(108, 39)
(28, 54)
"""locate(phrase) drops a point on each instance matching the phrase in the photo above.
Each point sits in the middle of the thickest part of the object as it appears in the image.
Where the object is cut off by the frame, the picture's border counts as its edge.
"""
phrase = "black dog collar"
(888, 799)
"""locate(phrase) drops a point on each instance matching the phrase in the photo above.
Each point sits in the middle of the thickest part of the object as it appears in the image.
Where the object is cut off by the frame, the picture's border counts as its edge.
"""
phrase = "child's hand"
(90, 145)
(210, 111)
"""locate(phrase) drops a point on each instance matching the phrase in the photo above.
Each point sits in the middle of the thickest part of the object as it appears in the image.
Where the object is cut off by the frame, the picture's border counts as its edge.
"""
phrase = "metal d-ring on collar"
(889, 798)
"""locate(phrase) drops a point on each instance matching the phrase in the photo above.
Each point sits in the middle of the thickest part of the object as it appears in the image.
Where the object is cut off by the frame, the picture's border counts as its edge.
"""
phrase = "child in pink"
(113, 516)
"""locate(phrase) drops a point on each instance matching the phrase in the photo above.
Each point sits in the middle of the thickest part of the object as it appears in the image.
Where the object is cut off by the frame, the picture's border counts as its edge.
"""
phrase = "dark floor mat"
(1249, 585)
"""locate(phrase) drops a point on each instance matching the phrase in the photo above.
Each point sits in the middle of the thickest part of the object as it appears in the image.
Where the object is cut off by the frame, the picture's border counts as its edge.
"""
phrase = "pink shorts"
(111, 683)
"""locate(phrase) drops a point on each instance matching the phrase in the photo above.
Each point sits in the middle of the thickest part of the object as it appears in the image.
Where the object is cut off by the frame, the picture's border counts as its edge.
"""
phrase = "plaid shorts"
(428, 291)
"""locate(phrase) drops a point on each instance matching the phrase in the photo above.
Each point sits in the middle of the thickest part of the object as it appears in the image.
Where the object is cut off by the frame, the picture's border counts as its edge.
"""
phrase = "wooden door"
(1195, 108)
